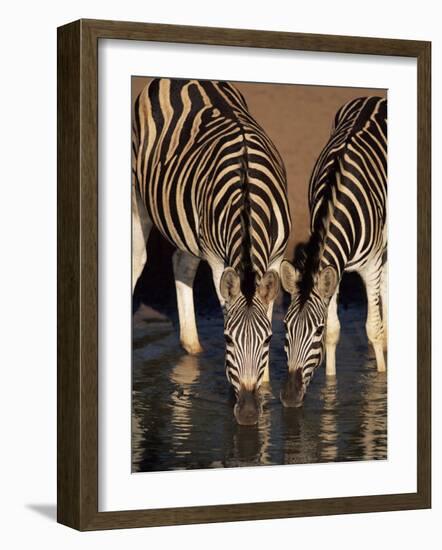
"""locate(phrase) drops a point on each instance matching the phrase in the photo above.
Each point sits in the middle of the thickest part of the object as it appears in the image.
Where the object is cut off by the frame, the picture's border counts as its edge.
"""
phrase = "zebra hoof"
(192, 349)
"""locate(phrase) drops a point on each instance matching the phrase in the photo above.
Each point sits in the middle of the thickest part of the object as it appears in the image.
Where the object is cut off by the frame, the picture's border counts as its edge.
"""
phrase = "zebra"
(208, 177)
(348, 232)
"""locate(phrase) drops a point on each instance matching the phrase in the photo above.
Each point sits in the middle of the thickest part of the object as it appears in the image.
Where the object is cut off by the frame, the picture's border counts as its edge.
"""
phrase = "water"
(183, 406)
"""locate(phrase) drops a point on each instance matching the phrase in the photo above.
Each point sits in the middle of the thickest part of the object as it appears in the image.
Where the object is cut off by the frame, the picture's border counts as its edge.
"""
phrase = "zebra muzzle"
(247, 408)
(292, 392)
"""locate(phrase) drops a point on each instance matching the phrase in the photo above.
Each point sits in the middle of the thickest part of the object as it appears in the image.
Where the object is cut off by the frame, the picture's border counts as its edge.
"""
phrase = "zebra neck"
(332, 255)
(331, 244)
(326, 243)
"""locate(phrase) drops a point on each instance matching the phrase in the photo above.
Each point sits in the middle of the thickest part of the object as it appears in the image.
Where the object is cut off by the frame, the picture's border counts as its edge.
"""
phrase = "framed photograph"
(243, 275)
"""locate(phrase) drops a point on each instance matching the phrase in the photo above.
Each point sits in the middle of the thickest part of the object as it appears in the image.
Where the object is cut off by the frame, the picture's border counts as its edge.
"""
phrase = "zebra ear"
(268, 287)
(289, 277)
(327, 282)
(229, 285)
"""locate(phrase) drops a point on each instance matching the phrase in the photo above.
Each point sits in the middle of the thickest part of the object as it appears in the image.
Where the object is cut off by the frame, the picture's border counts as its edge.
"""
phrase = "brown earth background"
(298, 119)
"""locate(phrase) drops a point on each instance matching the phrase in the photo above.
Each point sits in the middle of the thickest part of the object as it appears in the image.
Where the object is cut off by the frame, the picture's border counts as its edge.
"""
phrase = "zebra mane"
(247, 273)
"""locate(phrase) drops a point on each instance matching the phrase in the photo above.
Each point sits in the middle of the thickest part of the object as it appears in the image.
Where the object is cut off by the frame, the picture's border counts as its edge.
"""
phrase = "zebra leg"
(384, 297)
(372, 278)
(332, 333)
(141, 226)
(217, 271)
(184, 268)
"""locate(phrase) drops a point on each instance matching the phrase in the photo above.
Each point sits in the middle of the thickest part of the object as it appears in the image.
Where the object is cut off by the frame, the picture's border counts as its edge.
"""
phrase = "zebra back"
(348, 186)
(212, 180)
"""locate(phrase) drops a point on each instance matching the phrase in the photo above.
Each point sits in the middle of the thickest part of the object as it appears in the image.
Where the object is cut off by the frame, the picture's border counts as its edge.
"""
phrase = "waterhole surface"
(182, 405)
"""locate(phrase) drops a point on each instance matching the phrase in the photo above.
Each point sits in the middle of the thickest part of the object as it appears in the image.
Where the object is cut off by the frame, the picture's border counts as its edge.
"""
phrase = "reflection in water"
(183, 375)
(373, 422)
(328, 425)
(183, 406)
(292, 420)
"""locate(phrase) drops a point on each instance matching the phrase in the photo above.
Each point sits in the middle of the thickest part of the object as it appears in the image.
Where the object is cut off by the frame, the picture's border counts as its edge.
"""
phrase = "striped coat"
(351, 175)
(205, 170)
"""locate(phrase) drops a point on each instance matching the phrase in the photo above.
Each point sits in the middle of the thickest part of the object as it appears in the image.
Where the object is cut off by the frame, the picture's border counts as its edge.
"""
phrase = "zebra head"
(247, 331)
(305, 324)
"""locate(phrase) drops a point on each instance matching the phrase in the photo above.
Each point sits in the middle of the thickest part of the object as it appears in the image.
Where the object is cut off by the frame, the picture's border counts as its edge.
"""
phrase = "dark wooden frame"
(77, 274)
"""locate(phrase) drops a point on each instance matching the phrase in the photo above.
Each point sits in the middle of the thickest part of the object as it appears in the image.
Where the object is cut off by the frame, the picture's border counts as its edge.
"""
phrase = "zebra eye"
(267, 340)
(229, 341)
(319, 331)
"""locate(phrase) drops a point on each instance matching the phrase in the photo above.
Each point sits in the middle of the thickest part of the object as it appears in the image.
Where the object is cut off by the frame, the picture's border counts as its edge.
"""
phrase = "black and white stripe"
(242, 354)
(348, 208)
(210, 179)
